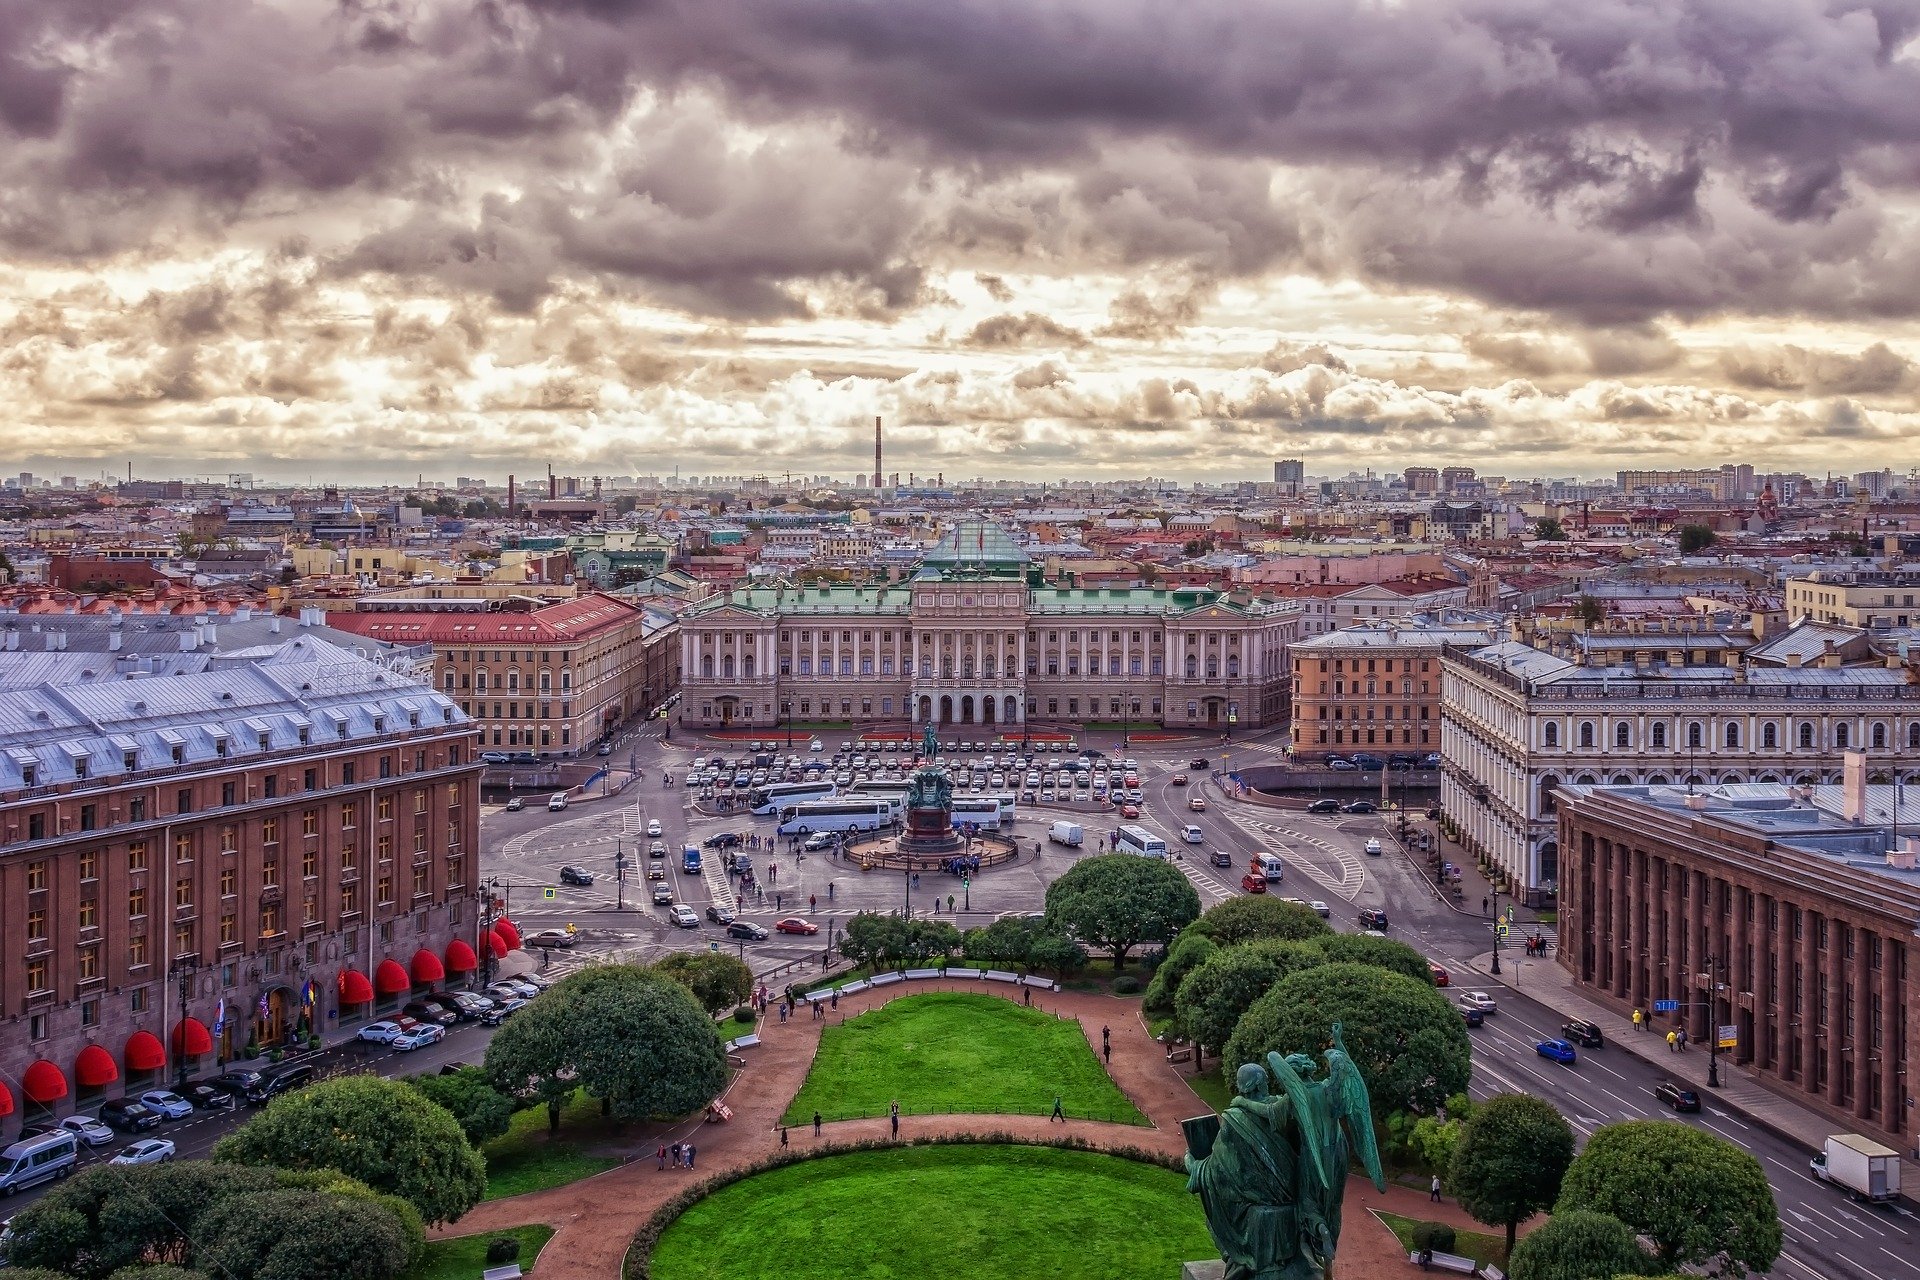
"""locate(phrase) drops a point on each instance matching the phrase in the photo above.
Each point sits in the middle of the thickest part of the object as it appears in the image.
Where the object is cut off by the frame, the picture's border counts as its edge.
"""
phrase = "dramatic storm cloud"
(459, 233)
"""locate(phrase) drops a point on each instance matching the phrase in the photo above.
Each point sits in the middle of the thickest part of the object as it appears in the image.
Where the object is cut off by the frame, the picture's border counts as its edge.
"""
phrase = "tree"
(1696, 537)
(1213, 997)
(1257, 915)
(1549, 530)
(1381, 953)
(300, 1235)
(1408, 1042)
(1510, 1160)
(1589, 611)
(1699, 1198)
(718, 981)
(1008, 940)
(1117, 901)
(883, 942)
(1189, 951)
(481, 1110)
(530, 1058)
(1434, 1139)
(1575, 1244)
(380, 1131)
(116, 1216)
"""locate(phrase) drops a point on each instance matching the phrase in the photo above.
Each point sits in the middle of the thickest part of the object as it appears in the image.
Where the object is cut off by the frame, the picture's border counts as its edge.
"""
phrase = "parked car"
(719, 915)
(205, 1097)
(1583, 1033)
(1559, 1050)
(1679, 1097)
(683, 915)
(88, 1130)
(145, 1151)
(236, 1083)
(1373, 918)
(549, 938)
(511, 989)
(1325, 805)
(1197, 803)
(723, 840)
(794, 924)
(746, 929)
(169, 1104)
(286, 1080)
(419, 1037)
(1361, 806)
(503, 1007)
(1338, 765)
(576, 875)
(431, 1011)
(1364, 760)
(1438, 973)
(515, 804)
(1478, 1000)
(1221, 858)
(128, 1115)
(471, 1005)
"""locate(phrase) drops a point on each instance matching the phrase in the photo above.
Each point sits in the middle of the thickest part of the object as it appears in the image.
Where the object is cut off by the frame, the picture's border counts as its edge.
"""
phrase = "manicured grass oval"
(988, 1212)
(950, 1052)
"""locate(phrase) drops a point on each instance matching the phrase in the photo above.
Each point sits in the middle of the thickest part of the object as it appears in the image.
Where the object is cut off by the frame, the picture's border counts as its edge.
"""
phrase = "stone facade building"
(258, 845)
(1787, 915)
(1375, 687)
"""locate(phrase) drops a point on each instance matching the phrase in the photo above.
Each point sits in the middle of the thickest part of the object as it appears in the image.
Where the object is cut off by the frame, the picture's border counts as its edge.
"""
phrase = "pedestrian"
(1106, 1037)
(829, 891)
(663, 1155)
(1106, 1053)
(816, 1124)
(783, 1013)
(949, 904)
(1026, 995)
(690, 1150)
(1684, 1037)
(676, 1155)
(1483, 906)
(894, 1121)
(783, 1137)
(1636, 1017)
(1058, 1114)
(834, 999)
(813, 902)
(776, 900)
(1673, 1044)
(1433, 1190)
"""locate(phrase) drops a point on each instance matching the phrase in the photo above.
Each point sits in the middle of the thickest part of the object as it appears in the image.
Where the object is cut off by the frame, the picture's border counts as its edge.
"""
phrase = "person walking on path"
(834, 999)
(1433, 1191)
(783, 1137)
(1673, 1043)
(1026, 994)
(829, 891)
(690, 1150)
(949, 904)
(1058, 1114)
(676, 1155)
(663, 1156)
(816, 1124)
(1636, 1017)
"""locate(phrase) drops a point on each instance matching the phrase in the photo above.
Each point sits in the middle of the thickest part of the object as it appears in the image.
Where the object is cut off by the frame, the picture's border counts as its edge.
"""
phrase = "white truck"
(1866, 1169)
(1067, 833)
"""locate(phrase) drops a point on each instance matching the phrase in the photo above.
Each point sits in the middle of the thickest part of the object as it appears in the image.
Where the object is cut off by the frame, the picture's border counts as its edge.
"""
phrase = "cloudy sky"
(361, 239)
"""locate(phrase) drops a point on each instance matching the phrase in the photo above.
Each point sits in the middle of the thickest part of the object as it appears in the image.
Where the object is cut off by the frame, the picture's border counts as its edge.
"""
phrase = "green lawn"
(526, 1159)
(1211, 1087)
(465, 1257)
(992, 1212)
(950, 1052)
(1482, 1248)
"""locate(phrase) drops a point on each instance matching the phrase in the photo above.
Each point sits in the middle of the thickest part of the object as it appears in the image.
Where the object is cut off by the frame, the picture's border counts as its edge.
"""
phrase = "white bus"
(895, 793)
(1140, 841)
(784, 795)
(984, 813)
(870, 813)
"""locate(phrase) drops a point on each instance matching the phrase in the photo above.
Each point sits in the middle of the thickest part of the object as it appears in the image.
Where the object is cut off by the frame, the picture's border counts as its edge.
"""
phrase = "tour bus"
(784, 795)
(895, 793)
(1141, 841)
(984, 813)
(869, 813)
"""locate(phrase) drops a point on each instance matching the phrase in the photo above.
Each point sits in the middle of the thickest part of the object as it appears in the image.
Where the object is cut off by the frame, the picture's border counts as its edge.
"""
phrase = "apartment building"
(253, 847)
(1375, 687)
(550, 678)
(1869, 600)
(1329, 606)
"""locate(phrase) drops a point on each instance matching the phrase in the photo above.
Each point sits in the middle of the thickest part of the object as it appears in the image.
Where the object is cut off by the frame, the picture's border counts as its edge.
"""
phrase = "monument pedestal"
(930, 831)
(1215, 1270)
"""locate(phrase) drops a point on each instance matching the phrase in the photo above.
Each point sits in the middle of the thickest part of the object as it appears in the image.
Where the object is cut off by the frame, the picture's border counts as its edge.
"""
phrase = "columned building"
(1787, 914)
(970, 640)
(1518, 723)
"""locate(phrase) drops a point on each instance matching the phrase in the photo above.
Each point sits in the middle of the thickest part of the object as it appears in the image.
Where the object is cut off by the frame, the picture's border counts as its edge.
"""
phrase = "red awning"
(191, 1038)
(354, 987)
(427, 967)
(6, 1101)
(496, 944)
(390, 979)
(44, 1083)
(460, 957)
(508, 934)
(144, 1052)
(95, 1067)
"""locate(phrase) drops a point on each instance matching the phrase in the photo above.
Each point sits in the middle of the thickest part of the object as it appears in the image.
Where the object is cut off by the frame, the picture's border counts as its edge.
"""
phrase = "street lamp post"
(1496, 931)
(1714, 967)
(907, 880)
(786, 713)
(183, 969)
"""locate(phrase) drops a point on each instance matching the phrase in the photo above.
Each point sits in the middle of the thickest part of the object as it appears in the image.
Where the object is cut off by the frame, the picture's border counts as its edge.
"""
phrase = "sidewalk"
(1550, 984)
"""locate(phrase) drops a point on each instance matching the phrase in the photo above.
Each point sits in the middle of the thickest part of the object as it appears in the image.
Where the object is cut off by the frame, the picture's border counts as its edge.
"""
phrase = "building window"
(137, 954)
(1696, 736)
(1586, 733)
(1879, 737)
(1770, 736)
(38, 977)
(37, 924)
(1549, 734)
(89, 915)
(1660, 737)
(1733, 735)
(36, 876)
(1623, 736)
(1840, 738)
(229, 929)
(1806, 737)
(229, 881)
(90, 865)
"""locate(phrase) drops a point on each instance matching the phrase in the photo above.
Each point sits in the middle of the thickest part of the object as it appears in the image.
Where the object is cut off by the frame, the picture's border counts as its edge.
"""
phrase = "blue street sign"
(1665, 1006)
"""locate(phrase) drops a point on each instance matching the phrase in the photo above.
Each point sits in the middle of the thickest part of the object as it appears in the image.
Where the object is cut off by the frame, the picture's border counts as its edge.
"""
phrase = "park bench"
(1001, 975)
(923, 973)
(882, 979)
(1444, 1261)
(1181, 1053)
(963, 973)
(855, 988)
(747, 1041)
(511, 1271)
(1492, 1272)
(815, 997)
(1045, 984)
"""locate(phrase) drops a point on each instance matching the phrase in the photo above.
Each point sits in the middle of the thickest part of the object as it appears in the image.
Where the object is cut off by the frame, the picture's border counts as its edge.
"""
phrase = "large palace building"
(972, 639)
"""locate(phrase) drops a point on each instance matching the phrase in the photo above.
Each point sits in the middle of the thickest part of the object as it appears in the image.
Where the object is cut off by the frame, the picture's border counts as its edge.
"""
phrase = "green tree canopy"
(718, 981)
(1381, 953)
(1589, 611)
(884, 942)
(300, 1235)
(1213, 996)
(481, 1110)
(1258, 915)
(382, 1132)
(530, 1058)
(1117, 901)
(1576, 1244)
(1510, 1160)
(1699, 1198)
(1189, 951)
(1408, 1042)
(115, 1216)
(1696, 537)
(1022, 940)
(158, 1271)
(1548, 529)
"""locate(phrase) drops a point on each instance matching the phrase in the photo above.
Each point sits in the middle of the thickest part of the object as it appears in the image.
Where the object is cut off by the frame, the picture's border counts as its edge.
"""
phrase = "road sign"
(1729, 1037)
(713, 946)
(548, 893)
(1665, 1006)
(1502, 929)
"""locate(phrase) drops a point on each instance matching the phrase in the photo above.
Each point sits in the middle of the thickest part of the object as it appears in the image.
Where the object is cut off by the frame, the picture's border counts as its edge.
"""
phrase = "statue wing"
(1313, 1143)
(1352, 1108)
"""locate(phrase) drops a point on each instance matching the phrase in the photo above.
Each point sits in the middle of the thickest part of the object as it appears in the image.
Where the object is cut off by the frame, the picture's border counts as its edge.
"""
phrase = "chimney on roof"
(1907, 856)
(1793, 660)
(1830, 658)
(114, 639)
(1853, 798)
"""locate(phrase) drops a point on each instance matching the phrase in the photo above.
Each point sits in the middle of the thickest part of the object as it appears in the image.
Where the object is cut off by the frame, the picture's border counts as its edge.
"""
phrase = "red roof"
(562, 623)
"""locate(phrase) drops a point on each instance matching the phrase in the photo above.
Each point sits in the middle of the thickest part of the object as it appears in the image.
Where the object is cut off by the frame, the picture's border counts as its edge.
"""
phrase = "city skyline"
(356, 243)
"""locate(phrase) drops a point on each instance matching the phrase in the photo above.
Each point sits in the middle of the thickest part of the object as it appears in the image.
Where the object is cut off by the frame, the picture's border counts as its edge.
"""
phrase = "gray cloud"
(1027, 329)
(1875, 370)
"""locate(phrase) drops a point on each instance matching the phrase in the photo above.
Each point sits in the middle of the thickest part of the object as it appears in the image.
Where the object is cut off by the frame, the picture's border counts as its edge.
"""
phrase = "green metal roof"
(976, 544)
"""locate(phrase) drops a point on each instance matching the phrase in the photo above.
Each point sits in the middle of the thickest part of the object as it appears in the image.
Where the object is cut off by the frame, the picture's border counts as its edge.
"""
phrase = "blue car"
(1559, 1050)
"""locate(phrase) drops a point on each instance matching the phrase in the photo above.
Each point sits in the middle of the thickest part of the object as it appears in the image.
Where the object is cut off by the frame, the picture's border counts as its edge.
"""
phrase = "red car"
(1253, 883)
(1129, 810)
(794, 924)
(1440, 978)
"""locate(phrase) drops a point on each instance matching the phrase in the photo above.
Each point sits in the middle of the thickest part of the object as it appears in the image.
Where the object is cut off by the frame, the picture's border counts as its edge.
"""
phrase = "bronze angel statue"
(1271, 1172)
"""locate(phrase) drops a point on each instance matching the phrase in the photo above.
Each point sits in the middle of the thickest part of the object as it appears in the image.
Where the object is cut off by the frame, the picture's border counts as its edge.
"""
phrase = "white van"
(1067, 833)
(1269, 865)
(34, 1160)
(556, 802)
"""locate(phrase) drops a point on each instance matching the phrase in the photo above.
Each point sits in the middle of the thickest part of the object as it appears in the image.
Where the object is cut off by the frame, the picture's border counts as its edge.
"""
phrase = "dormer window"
(130, 761)
(29, 776)
(179, 754)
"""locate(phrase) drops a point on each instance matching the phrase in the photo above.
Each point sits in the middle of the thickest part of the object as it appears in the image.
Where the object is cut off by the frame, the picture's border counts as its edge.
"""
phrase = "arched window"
(449, 681)
(1233, 668)
(480, 682)
(1550, 734)
(1660, 737)
(1770, 736)
(1586, 733)
(706, 666)
(1213, 669)
(1840, 738)
(1733, 735)
(1806, 737)
(566, 681)
(1193, 667)
(1913, 737)
(1879, 737)
(1696, 736)
(513, 681)
(746, 667)
(1623, 735)
(726, 666)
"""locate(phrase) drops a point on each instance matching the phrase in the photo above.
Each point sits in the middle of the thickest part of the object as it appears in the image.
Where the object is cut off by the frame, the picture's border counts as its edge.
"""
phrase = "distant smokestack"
(510, 495)
(553, 485)
(876, 452)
